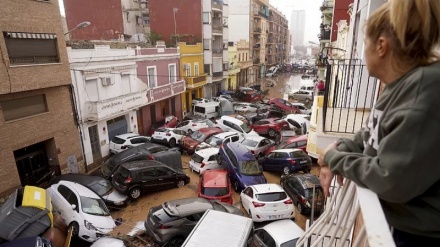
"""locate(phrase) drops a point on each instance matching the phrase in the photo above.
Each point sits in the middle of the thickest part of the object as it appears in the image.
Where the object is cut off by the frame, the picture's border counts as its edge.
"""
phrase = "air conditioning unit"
(106, 81)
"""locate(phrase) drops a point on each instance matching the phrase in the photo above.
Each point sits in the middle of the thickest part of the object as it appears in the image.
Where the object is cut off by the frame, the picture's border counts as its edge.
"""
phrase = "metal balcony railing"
(353, 218)
(33, 60)
(217, 74)
(348, 97)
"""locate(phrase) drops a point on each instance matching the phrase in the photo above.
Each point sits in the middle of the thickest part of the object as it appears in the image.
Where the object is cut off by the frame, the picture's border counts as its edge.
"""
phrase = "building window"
(31, 48)
(152, 76)
(206, 18)
(196, 69)
(172, 72)
(187, 68)
(145, 19)
(207, 69)
(206, 44)
(24, 107)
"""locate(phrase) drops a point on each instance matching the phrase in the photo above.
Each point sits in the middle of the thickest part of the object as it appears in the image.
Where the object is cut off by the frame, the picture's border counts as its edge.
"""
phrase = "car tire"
(172, 142)
(300, 208)
(286, 170)
(180, 184)
(135, 193)
(175, 242)
(272, 133)
(74, 228)
(236, 186)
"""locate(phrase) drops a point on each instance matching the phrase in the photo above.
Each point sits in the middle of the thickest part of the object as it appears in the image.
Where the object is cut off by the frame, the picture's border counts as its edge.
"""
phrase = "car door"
(148, 179)
(212, 162)
(178, 134)
(263, 239)
(190, 222)
(279, 161)
(166, 178)
(268, 163)
(65, 198)
(246, 198)
(261, 126)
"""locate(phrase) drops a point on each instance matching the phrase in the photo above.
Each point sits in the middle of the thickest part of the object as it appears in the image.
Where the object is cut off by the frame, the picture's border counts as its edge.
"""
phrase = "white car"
(196, 101)
(123, 142)
(219, 139)
(279, 233)
(189, 126)
(81, 209)
(205, 159)
(298, 121)
(108, 242)
(257, 145)
(168, 136)
(265, 202)
(302, 108)
(244, 107)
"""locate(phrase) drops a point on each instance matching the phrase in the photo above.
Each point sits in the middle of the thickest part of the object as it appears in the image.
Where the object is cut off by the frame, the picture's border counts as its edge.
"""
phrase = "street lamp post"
(175, 25)
(79, 26)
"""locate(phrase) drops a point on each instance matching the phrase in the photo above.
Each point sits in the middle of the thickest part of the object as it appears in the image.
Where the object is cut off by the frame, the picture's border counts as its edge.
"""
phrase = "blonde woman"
(397, 154)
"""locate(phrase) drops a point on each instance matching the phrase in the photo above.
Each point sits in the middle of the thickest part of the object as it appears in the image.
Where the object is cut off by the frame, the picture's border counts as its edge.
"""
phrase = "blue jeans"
(404, 239)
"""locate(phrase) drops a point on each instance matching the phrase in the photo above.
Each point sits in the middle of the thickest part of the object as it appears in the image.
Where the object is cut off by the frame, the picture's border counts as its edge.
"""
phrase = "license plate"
(272, 217)
(303, 162)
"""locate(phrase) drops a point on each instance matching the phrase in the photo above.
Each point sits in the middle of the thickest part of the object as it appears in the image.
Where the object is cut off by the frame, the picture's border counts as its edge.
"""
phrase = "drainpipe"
(77, 120)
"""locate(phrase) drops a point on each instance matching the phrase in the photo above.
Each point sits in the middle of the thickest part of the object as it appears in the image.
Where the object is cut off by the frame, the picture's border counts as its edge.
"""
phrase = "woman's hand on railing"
(325, 174)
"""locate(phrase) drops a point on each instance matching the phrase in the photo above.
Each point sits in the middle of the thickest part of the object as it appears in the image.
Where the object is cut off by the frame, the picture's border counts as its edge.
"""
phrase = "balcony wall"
(193, 82)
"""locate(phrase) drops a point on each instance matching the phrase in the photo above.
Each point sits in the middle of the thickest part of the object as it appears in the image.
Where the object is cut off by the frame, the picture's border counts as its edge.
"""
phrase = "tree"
(154, 37)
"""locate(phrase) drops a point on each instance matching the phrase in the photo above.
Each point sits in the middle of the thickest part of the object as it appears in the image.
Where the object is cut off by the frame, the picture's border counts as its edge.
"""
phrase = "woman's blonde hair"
(413, 26)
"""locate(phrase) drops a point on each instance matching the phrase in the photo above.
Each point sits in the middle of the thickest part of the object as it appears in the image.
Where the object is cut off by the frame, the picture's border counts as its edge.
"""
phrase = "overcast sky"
(313, 15)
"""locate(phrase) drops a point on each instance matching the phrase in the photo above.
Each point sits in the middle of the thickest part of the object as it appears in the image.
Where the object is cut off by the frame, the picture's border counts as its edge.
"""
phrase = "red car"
(252, 96)
(189, 143)
(270, 126)
(299, 142)
(168, 122)
(284, 105)
(215, 185)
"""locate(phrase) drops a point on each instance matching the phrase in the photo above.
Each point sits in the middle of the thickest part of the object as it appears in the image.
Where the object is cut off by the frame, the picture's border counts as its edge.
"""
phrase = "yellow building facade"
(191, 70)
(234, 69)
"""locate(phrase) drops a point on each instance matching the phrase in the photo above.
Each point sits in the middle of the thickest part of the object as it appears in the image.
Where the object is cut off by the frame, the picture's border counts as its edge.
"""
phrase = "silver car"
(302, 95)
(170, 223)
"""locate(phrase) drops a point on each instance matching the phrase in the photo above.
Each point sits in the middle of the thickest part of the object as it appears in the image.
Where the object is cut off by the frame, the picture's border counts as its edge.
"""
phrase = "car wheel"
(272, 133)
(286, 170)
(74, 227)
(172, 142)
(135, 193)
(236, 186)
(176, 242)
(180, 183)
(300, 208)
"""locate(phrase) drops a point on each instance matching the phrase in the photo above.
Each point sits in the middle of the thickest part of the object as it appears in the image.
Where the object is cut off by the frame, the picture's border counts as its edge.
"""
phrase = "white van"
(227, 123)
(220, 229)
(207, 110)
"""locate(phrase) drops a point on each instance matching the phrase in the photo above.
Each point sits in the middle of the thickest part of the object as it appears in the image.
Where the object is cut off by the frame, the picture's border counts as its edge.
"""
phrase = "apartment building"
(277, 41)
(124, 20)
(38, 129)
(246, 74)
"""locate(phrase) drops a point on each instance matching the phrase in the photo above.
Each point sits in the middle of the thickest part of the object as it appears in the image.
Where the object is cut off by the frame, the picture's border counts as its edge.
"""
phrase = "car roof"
(307, 180)
(207, 151)
(283, 230)
(132, 165)
(80, 189)
(186, 206)
(215, 178)
(255, 138)
(232, 120)
(241, 151)
(297, 138)
(226, 134)
(208, 104)
(127, 136)
(210, 130)
(286, 150)
(287, 133)
(267, 188)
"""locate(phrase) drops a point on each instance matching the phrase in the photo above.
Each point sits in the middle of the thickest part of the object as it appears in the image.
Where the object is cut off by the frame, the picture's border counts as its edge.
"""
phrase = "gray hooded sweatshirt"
(400, 152)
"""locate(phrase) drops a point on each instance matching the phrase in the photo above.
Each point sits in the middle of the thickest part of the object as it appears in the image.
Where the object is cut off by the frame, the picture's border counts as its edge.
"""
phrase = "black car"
(147, 151)
(137, 177)
(102, 187)
(299, 187)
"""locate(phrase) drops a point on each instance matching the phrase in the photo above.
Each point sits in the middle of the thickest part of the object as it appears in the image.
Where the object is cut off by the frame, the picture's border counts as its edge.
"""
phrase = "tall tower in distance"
(297, 27)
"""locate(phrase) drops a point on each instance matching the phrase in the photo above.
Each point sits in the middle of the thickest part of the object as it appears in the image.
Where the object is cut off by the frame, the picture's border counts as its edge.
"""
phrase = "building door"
(32, 165)
(94, 142)
(116, 127)
(164, 109)
(173, 106)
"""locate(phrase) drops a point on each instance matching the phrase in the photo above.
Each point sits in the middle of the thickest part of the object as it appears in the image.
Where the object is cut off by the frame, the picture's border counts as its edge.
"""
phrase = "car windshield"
(162, 130)
(209, 191)
(101, 187)
(290, 243)
(197, 158)
(271, 197)
(298, 154)
(108, 167)
(287, 103)
(318, 194)
(118, 140)
(93, 206)
(245, 128)
(214, 141)
(250, 168)
(198, 136)
(249, 143)
(282, 145)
